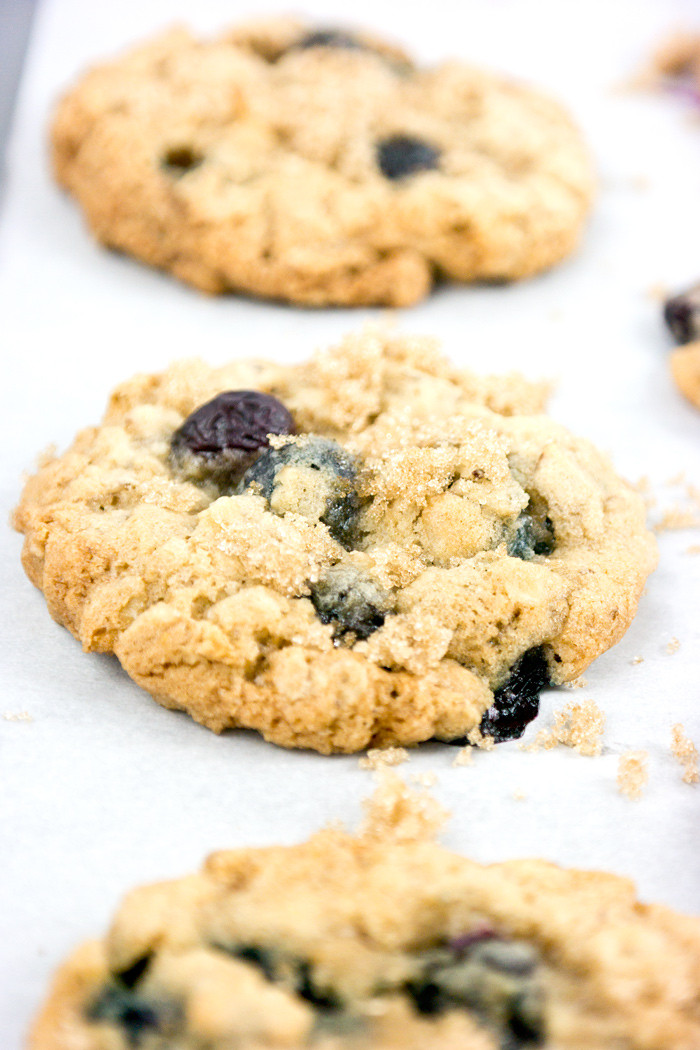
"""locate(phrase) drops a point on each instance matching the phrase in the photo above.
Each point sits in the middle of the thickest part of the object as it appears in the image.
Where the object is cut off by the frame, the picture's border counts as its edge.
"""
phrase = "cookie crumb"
(694, 548)
(380, 757)
(477, 739)
(396, 812)
(676, 518)
(576, 683)
(673, 646)
(632, 773)
(464, 757)
(579, 726)
(683, 749)
(17, 716)
(519, 795)
(637, 660)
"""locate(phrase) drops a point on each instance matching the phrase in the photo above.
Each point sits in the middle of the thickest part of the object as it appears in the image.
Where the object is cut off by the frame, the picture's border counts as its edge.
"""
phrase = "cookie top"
(381, 940)
(416, 552)
(319, 166)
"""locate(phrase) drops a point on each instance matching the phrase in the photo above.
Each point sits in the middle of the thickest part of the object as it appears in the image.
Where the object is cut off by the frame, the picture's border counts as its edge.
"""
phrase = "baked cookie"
(682, 316)
(371, 547)
(382, 940)
(319, 166)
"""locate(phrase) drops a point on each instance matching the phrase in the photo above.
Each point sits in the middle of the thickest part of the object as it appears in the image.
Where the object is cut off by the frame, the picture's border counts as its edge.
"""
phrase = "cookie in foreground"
(381, 939)
(318, 166)
(371, 547)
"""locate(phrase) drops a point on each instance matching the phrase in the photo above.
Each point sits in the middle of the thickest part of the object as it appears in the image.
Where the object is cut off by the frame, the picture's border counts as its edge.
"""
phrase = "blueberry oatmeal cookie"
(372, 547)
(319, 166)
(381, 940)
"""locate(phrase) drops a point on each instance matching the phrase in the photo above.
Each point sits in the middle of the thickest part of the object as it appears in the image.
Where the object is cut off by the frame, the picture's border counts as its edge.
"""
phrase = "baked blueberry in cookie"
(319, 165)
(372, 547)
(682, 316)
(381, 940)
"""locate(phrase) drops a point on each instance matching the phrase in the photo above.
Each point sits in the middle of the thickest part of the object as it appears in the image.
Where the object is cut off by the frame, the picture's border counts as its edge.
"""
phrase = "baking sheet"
(101, 788)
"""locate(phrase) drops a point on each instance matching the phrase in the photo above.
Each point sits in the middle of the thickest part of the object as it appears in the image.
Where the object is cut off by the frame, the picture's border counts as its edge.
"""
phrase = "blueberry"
(532, 535)
(178, 160)
(329, 38)
(263, 958)
(517, 701)
(136, 1015)
(682, 315)
(315, 478)
(352, 601)
(221, 439)
(133, 974)
(277, 966)
(494, 977)
(403, 155)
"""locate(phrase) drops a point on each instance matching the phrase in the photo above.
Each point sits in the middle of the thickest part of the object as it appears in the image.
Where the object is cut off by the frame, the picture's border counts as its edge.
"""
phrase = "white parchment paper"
(101, 788)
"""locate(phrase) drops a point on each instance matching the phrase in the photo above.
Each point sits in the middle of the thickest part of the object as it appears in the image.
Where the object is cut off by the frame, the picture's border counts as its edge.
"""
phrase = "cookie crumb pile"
(319, 167)
(413, 552)
(381, 940)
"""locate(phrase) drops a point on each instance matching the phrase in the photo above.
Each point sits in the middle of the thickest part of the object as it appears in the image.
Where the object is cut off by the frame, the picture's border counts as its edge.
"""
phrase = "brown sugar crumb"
(17, 716)
(396, 812)
(380, 757)
(673, 646)
(579, 726)
(477, 739)
(464, 757)
(683, 748)
(632, 773)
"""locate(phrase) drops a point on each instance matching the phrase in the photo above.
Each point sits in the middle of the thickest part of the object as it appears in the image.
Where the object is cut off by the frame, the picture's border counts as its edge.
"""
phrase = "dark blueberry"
(403, 155)
(532, 535)
(315, 478)
(351, 601)
(276, 966)
(329, 38)
(517, 701)
(178, 160)
(222, 438)
(322, 999)
(133, 974)
(682, 315)
(136, 1015)
(263, 958)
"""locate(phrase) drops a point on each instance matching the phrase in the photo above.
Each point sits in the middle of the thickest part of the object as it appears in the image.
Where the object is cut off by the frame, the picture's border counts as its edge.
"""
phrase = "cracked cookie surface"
(416, 552)
(381, 940)
(319, 167)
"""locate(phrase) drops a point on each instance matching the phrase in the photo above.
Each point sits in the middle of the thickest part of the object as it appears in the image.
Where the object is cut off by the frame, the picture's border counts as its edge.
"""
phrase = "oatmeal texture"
(423, 555)
(385, 940)
(319, 167)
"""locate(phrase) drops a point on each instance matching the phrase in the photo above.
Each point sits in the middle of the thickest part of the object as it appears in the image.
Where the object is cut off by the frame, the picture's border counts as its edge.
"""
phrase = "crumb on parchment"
(17, 716)
(673, 646)
(400, 813)
(380, 757)
(632, 773)
(576, 725)
(464, 757)
(685, 751)
(477, 739)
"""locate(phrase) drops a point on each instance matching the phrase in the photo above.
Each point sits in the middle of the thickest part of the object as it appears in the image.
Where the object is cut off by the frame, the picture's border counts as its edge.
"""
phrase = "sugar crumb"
(632, 773)
(685, 751)
(380, 757)
(464, 757)
(579, 726)
(576, 683)
(477, 739)
(17, 716)
(673, 646)
(426, 780)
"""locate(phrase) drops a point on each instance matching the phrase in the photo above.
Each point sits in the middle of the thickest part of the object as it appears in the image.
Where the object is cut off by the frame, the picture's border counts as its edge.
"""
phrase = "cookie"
(381, 940)
(682, 317)
(414, 553)
(319, 166)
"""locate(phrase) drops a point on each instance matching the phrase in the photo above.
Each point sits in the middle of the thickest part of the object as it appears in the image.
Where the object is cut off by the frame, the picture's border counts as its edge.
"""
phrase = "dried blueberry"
(136, 1015)
(313, 477)
(495, 978)
(403, 155)
(682, 315)
(222, 438)
(517, 701)
(351, 601)
(329, 38)
(532, 535)
(178, 160)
